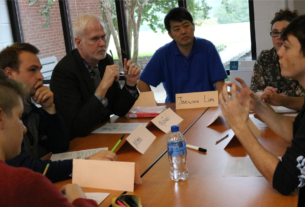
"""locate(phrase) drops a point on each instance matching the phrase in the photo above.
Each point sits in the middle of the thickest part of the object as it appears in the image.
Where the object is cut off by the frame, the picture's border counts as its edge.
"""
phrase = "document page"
(118, 128)
(98, 197)
(282, 109)
(82, 154)
(241, 167)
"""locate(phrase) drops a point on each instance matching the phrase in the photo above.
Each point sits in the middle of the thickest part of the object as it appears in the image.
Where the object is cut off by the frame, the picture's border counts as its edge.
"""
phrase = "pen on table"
(45, 170)
(222, 138)
(196, 148)
(117, 143)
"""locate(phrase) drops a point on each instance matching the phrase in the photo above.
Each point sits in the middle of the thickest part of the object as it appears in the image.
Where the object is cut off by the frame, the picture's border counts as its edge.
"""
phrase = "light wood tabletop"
(206, 185)
(125, 152)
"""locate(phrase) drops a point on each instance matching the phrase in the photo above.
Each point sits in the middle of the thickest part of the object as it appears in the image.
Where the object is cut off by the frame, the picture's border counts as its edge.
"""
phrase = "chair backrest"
(48, 64)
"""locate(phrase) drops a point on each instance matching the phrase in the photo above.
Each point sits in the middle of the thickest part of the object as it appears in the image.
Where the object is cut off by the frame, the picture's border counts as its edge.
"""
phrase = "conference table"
(206, 184)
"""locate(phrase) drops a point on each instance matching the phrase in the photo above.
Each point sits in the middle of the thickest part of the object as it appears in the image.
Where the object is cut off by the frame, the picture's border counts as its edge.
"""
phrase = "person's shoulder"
(203, 42)
(67, 60)
(267, 52)
(165, 48)
(19, 174)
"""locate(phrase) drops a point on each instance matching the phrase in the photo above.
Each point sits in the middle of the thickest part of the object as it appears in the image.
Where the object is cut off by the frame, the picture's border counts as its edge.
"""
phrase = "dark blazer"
(74, 97)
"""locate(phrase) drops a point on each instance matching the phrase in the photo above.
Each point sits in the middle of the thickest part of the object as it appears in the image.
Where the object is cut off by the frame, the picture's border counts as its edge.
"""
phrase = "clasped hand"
(235, 112)
(44, 96)
(132, 72)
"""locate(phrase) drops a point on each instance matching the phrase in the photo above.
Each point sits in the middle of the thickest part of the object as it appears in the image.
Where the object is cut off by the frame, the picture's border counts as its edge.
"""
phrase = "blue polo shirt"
(179, 74)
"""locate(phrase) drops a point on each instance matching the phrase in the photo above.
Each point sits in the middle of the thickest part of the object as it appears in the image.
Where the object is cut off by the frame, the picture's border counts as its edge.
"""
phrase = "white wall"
(6, 37)
(264, 11)
(300, 6)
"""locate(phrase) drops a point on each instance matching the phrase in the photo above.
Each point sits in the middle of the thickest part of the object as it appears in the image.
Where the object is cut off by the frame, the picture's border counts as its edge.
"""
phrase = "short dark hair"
(177, 15)
(9, 56)
(297, 29)
(284, 15)
(10, 90)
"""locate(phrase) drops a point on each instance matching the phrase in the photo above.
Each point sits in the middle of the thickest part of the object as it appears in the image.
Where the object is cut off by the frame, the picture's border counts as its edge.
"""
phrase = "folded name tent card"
(166, 119)
(255, 130)
(197, 100)
(141, 139)
(217, 114)
(145, 99)
(111, 175)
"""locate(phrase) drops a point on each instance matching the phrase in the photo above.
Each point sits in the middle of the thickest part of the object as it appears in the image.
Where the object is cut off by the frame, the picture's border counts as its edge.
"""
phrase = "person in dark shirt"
(85, 81)
(267, 79)
(20, 186)
(46, 130)
(282, 174)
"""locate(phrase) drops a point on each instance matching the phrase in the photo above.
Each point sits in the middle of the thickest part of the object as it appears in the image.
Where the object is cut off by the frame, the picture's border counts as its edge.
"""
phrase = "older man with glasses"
(85, 81)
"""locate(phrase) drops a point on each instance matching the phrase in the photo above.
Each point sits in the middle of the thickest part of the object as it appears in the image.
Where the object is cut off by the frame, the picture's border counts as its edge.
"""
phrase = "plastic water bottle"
(176, 147)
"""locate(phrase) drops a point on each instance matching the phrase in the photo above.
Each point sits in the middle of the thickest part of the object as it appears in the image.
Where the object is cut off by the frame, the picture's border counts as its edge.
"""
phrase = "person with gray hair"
(85, 82)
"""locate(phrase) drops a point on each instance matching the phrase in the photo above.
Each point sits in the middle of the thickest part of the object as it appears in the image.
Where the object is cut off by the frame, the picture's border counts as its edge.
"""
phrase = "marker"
(45, 170)
(222, 138)
(120, 203)
(117, 143)
(196, 148)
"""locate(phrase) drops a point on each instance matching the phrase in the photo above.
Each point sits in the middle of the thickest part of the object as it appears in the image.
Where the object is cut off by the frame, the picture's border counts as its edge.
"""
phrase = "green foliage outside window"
(235, 11)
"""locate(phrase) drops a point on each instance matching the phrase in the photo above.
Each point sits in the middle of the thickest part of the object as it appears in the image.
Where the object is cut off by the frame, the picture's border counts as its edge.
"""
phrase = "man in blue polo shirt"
(187, 64)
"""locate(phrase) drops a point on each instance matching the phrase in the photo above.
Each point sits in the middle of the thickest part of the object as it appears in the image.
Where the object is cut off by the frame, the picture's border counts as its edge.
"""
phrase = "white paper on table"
(282, 109)
(241, 167)
(291, 115)
(118, 128)
(98, 197)
(141, 139)
(166, 120)
(257, 122)
(82, 154)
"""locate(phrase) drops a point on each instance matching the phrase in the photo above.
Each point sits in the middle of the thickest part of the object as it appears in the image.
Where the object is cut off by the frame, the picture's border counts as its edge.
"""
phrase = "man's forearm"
(143, 87)
(279, 124)
(295, 103)
(263, 160)
(50, 110)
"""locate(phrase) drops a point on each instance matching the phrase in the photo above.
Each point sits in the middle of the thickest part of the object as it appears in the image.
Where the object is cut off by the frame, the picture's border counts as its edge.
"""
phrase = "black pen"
(196, 148)
(222, 138)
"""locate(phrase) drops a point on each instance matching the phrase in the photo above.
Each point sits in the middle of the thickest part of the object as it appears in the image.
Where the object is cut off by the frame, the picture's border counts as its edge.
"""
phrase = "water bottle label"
(176, 148)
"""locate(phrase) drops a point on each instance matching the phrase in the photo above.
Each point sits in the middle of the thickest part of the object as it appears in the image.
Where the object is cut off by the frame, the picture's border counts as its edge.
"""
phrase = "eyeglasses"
(275, 34)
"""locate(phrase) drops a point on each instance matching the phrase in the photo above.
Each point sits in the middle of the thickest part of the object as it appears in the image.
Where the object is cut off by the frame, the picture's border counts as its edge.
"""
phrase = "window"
(225, 23)
(6, 36)
(45, 34)
(146, 33)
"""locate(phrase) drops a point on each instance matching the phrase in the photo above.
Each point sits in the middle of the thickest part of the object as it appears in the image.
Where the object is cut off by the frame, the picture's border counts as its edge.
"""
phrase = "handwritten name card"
(196, 100)
(145, 99)
(104, 174)
(141, 139)
(166, 119)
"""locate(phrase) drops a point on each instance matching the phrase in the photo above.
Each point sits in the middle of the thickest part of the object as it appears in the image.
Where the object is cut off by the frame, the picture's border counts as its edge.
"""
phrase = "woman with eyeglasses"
(267, 76)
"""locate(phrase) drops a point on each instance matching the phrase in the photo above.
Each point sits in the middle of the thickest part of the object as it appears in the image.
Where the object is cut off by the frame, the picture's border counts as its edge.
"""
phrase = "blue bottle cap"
(175, 128)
